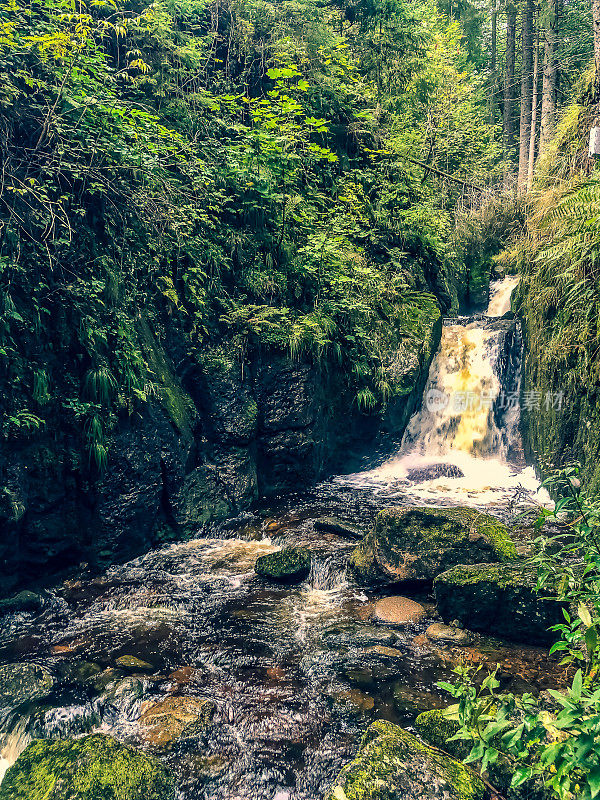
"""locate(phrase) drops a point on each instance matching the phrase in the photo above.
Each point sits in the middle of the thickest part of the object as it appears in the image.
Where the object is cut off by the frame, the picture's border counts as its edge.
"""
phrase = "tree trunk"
(508, 135)
(493, 64)
(548, 119)
(534, 107)
(596, 23)
(526, 92)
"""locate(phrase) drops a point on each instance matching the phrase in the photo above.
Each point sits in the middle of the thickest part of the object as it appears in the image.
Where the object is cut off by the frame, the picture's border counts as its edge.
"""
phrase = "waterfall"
(463, 445)
(500, 294)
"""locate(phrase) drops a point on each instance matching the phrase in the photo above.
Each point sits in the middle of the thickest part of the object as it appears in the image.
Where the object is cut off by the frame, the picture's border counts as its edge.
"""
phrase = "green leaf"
(577, 685)
(593, 779)
(584, 615)
(591, 639)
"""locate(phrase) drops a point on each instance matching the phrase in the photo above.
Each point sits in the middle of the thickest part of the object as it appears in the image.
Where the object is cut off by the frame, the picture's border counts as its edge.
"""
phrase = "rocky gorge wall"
(560, 397)
(222, 432)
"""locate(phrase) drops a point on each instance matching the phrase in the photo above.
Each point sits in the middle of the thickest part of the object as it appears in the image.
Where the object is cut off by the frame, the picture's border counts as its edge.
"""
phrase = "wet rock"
(499, 599)
(432, 471)
(339, 527)
(398, 611)
(80, 671)
(89, 768)
(408, 700)
(416, 544)
(124, 692)
(355, 698)
(173, 718)
(286, 566)
(385, 652)
(392, 763)
(134, 664)
(359, 635)
(209, 768)
(24, 601)
(447, 634)
(23, 683)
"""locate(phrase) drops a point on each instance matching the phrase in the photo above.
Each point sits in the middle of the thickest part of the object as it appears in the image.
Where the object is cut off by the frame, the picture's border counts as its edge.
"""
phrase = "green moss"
(420, 543)
(92, 768)
(394, 765)
(436, 727)
(465, 574)
(133, 663)
(290, 563)
(500, 599)
(362, 564)
(177, 403)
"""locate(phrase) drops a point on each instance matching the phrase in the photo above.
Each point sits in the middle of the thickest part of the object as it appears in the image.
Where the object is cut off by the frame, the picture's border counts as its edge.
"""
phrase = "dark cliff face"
(221, 434)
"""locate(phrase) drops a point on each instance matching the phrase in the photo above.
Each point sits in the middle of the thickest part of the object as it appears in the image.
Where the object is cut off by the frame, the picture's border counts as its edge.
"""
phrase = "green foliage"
(224, 169)
(556, 740)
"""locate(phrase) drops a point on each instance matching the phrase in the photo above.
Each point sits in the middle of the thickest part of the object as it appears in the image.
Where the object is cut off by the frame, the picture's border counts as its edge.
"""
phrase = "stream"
(295, 673)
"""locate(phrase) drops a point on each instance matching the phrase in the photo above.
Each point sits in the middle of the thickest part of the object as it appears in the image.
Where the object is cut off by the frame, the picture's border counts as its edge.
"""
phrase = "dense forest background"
(295, 177)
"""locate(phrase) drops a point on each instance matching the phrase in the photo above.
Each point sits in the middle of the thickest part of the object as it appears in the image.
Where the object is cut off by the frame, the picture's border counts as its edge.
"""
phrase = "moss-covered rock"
(92, 768)
(499, 599)
(437, 727)
(391, 764)
(24, 601)
(286, 565)
(416, 544)
(134, 664)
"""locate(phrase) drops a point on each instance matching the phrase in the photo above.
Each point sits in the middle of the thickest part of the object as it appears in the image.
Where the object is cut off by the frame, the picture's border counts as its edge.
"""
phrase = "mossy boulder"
(391, 764)
(499, 599)
(24, 601)
(417, 544)
(133, 664)
(437, 727)
(92, 768)
(286, 565)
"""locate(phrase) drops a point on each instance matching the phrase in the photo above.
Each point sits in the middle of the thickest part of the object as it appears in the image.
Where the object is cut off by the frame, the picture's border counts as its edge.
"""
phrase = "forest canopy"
(277, 173)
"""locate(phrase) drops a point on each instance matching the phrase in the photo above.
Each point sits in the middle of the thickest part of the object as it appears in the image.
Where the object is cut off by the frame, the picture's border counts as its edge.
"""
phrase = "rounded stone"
(398, 611)
(23, 683)
(446, 634)
(174, 718)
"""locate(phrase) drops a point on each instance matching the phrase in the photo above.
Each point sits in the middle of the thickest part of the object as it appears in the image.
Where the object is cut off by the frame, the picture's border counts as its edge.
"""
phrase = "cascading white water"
(453, 450)
(500, 294)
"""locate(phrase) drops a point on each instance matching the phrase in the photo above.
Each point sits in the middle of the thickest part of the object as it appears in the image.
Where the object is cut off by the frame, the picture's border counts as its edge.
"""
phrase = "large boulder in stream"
(417, 544)
(288, 565)
(92, 768)
(499, 599)
(391, 764)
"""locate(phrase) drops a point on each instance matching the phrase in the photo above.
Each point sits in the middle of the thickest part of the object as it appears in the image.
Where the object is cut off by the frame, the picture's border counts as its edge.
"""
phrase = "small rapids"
(295, 673)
